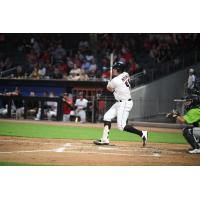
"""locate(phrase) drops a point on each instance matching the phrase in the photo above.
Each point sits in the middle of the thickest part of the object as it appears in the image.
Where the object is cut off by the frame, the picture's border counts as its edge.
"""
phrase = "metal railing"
(154, 71)
(7, 73)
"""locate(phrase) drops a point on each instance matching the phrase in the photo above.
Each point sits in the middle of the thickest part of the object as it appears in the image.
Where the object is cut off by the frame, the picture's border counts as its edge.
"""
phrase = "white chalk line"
(27, 141)
(27, 151)
(77, 152)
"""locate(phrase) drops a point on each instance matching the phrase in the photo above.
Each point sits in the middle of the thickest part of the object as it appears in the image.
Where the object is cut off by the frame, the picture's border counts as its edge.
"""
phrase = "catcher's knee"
(187, 131)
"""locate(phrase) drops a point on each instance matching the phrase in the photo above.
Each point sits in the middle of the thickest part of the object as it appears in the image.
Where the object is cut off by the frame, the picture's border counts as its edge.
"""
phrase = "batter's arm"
(109, 87)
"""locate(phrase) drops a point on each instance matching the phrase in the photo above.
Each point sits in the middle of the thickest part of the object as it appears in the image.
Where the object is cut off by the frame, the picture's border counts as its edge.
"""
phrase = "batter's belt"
(124, 100)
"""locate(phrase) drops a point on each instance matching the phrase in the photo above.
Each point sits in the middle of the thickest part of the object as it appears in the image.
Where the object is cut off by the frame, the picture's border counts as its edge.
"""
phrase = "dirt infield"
(85, 153)
(37, 151)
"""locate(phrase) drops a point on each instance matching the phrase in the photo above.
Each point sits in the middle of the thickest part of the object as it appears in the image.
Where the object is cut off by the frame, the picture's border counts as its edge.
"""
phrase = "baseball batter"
(120, 87)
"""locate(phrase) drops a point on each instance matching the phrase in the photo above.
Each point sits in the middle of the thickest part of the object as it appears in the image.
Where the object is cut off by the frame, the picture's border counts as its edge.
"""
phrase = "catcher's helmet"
(192, 101)
(120, 66)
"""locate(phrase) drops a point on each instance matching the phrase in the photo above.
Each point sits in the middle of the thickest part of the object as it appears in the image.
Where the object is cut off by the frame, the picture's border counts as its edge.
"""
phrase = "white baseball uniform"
(81, 106)
(121, 86)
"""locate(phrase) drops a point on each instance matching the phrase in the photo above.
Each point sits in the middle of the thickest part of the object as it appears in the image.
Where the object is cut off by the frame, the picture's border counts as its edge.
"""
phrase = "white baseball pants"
(121, 111)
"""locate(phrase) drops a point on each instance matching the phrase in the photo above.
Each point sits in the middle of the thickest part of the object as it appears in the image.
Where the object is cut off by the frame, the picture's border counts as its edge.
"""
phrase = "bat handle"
(110, 73)
(111, 64)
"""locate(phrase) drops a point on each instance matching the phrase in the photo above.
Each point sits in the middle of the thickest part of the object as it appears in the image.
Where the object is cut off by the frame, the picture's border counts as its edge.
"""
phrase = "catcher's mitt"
(173, 115)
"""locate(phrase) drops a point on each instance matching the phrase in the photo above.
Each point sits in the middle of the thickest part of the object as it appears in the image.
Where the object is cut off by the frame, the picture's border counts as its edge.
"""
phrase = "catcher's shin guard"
(188, 135)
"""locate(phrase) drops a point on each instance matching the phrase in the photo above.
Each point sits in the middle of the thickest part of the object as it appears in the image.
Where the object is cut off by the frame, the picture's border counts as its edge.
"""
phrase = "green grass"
(56, 131)
(20, 164)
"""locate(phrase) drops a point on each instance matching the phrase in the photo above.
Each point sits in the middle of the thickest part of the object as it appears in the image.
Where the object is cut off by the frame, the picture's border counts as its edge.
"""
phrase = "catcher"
(192, 118)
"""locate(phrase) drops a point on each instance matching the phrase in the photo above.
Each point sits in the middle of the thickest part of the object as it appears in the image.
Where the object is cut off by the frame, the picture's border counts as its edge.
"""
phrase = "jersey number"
(127, 82)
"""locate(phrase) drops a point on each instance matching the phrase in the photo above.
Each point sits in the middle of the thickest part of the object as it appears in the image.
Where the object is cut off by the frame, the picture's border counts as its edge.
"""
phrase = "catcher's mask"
(191, 102)
(120, 66)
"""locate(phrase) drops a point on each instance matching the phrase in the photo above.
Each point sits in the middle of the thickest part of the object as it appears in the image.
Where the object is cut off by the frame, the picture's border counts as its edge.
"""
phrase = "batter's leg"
(109, 115)
(142, 134)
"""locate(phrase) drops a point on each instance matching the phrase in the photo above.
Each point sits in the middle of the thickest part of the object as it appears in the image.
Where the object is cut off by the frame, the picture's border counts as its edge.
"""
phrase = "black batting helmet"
(120, 66)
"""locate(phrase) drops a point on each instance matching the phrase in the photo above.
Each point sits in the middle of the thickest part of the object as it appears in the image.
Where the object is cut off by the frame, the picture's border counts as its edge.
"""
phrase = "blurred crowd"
(84, 57)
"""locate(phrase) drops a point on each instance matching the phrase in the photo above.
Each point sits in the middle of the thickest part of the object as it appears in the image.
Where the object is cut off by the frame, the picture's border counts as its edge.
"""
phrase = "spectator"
(86, 66)
(57, 74)
(133, 67)
(49, 70)
(83, 76)
(38, 115)
(35, 73)
(105, 74)
(81, 107)
(191, 82)
(18, 103)
(42, 71)
(32, 105)
(77, 60)
(74, 73)
(19, 72)
(126, 54)
(35, 46)
(59, 53)
(67, 107)
(89, 57)
(62, 67)
(92, 70)
(52, 112)
(3, 106)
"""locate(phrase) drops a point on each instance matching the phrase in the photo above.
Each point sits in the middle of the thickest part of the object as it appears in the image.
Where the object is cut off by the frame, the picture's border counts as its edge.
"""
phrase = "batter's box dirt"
(38, 151)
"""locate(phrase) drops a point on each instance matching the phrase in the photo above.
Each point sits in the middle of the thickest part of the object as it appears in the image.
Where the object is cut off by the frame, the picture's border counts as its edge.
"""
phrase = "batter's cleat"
(144, 137)
(194, 151)
(101, 142)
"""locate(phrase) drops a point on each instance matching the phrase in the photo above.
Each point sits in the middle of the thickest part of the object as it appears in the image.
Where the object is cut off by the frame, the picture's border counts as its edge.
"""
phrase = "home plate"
(105, 148)
(67, 145)
(62, 149)
(156, 154)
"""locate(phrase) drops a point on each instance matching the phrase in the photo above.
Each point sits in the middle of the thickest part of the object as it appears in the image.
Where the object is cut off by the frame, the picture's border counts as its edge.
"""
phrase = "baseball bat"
(111, 64)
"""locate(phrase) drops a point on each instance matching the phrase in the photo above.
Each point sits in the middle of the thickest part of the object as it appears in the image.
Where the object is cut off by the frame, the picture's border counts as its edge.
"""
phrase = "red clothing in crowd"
(127, 56)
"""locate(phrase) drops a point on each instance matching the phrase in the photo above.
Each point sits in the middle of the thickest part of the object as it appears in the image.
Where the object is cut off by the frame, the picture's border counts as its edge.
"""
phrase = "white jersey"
(121, 86)
(191, 81)
(81, 103)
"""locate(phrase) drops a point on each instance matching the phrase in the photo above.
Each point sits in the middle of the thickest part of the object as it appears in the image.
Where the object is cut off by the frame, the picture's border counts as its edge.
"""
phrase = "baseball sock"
(131, 129)
(107, 126)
